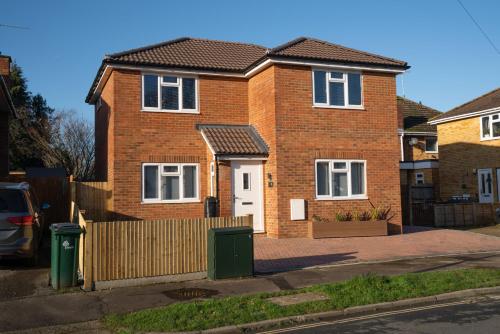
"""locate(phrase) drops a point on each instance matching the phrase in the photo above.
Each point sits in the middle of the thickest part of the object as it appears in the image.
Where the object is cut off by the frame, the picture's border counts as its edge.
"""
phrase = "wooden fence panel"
(135, 249)
(94, 198)
(464, 214)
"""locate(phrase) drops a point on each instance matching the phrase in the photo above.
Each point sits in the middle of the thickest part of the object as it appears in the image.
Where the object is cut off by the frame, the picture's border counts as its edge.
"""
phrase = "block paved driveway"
(272, 255)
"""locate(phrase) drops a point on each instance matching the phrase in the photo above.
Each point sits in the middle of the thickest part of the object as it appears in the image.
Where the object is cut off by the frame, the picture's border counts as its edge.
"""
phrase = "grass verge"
(362, 290)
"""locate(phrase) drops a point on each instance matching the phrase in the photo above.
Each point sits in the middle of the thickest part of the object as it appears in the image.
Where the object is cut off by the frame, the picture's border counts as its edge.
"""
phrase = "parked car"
(21, 221)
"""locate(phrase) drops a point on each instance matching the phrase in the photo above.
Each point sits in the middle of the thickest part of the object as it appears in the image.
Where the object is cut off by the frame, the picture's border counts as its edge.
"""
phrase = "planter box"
(369, 228)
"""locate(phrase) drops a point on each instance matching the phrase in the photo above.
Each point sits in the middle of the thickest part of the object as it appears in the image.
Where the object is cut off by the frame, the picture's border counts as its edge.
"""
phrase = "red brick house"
(7, 111)
(308, 127)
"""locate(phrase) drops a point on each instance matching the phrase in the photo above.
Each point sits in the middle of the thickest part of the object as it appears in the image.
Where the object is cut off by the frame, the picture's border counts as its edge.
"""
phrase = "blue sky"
(66, 41)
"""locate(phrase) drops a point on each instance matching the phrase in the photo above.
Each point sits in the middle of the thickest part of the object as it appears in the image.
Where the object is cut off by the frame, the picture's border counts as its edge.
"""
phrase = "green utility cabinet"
(64, 255)
(230, 252)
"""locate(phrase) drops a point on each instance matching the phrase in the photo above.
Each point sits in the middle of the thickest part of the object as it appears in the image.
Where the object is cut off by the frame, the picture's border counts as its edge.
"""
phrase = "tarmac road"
(481, 316)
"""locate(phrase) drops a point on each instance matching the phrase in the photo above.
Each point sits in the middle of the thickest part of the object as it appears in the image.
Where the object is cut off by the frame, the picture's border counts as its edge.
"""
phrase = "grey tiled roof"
(416, 115)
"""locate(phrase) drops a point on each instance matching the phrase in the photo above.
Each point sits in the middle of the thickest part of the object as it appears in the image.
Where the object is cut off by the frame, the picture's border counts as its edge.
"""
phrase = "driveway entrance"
(273, 255)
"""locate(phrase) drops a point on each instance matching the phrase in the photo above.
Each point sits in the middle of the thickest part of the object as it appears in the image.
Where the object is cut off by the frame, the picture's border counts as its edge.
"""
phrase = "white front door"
(247, 191)
(485, 185)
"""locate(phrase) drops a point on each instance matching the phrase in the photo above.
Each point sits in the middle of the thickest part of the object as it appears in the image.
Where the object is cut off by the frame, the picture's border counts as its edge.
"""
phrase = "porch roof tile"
(233, 139)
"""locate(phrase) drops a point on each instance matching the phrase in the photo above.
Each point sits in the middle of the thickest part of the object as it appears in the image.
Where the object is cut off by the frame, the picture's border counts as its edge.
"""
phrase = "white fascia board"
(208, 143)
(248, 74)
(469, 115)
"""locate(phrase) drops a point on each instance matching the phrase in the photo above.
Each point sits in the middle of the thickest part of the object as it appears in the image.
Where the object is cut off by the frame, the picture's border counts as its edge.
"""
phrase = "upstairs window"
(337, 89)
(169, 93)
(490, 126)
(431, 145)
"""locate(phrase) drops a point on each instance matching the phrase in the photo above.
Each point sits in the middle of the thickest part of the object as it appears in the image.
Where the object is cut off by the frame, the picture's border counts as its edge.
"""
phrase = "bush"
(344, 217)
(380, 213)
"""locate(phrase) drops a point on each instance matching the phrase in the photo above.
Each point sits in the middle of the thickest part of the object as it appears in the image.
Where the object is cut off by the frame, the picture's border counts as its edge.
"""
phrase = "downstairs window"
(340, 179)
(169, 183)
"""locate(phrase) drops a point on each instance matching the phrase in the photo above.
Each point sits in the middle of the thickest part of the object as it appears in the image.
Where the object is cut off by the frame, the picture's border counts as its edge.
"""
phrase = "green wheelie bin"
(64, 254)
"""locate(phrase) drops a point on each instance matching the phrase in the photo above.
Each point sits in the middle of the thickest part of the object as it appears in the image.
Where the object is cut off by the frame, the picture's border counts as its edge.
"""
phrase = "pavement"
(29, 313)
(273, 255)
(480, 315)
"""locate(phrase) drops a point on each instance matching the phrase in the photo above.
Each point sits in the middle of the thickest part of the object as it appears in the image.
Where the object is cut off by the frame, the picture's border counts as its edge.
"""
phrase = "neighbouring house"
(7, 112)
(306, 128)
(469, 150)
(419, 144)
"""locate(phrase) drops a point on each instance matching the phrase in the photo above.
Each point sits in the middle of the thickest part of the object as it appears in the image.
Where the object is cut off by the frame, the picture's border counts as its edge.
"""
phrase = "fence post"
(474, 213)
(249, 220)
(87, 259)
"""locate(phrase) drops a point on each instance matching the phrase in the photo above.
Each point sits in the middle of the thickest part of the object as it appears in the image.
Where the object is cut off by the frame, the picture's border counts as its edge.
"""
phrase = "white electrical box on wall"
(298, 209)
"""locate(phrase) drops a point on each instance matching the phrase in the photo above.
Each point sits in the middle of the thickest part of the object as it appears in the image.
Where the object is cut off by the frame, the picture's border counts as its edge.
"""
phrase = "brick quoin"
(278, 103)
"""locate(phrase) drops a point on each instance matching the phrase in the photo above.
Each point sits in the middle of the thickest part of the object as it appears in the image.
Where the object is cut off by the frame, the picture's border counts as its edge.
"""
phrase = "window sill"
(171, 111)
(319, 106)
(172, 202)
(432, 152)
(488, 139)
(357, 198)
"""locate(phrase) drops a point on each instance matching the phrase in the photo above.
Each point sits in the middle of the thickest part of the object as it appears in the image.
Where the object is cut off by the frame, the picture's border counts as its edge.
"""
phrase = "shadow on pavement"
(294, 263)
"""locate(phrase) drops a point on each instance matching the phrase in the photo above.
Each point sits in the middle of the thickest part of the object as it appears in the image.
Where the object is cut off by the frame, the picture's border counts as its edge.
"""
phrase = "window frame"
(180, 173)
(344, 80)
(179, 84)
(419, 176)
(490, 124)
(348, 171)
(437, 144)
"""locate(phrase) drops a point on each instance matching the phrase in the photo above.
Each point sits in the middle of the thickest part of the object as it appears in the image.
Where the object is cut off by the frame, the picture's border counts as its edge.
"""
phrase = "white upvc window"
(170, 182)
(490, 127)
(431, 145)
(337, 89)
(169, 93)
(340, 179)
(419, 178)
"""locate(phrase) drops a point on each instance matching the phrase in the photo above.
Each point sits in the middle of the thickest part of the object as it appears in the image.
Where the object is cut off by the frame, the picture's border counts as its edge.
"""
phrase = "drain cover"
(190, 293)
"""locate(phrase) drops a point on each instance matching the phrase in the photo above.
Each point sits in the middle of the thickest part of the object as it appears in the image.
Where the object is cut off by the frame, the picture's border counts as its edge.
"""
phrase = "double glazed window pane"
(151, 91)
(486, 126)
(189, 176)
(354, 83)
(340, 184)
(357, 178)
(336, 93)
(495, 127)
(150, 182)
(170, 187)
(323, 179)
(169, 98)
(431, 144)
(319, 86)
(188, 93)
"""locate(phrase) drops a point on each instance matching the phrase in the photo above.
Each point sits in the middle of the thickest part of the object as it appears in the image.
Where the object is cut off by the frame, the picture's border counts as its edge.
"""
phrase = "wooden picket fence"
(94, 199)
(464, 214)
(123, 250)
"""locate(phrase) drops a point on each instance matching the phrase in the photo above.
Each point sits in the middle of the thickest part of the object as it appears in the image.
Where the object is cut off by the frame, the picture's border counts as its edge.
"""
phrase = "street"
(469, 316)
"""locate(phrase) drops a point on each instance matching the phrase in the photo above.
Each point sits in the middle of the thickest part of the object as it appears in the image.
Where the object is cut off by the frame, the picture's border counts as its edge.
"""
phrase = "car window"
(12, 200)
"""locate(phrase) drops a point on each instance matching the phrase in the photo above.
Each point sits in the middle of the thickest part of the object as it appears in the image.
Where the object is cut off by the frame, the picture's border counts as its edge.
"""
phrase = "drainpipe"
(217, 209)
(402, 146)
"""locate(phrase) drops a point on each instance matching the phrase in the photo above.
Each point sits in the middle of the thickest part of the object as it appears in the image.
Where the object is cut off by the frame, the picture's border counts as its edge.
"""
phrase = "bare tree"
(71, 145)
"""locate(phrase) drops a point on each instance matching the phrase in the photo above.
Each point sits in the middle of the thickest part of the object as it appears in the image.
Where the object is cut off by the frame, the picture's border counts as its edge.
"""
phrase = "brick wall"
(141, 137)
(4, 118)
(417, 151)
(305, 133)
(461, 152)
(278, 103)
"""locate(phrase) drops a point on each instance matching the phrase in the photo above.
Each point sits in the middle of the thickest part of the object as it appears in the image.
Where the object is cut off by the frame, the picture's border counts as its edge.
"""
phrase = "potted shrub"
(347, 224)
